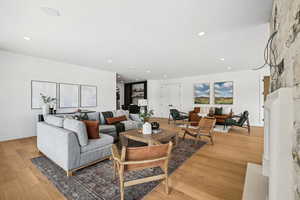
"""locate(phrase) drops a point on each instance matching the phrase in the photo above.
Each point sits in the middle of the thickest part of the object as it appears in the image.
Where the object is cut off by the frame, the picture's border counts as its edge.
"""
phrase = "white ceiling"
(140, 35)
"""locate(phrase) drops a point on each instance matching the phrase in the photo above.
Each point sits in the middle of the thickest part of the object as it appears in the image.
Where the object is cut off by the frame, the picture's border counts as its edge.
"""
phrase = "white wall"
(17, 119)
(121, 87)
(247, 92)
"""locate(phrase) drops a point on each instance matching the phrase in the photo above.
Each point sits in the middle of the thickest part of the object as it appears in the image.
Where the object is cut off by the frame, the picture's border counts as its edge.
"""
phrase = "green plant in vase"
(145, 116)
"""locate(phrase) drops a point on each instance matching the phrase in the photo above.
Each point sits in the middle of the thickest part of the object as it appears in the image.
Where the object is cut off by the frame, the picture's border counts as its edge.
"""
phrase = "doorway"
(170, 97)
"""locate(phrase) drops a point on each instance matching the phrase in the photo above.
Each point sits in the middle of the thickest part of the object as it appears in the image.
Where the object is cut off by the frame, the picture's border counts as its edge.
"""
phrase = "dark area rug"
(96, 182)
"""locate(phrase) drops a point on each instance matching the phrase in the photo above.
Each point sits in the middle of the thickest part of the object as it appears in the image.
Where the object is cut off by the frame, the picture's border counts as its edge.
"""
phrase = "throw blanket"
(120, 127)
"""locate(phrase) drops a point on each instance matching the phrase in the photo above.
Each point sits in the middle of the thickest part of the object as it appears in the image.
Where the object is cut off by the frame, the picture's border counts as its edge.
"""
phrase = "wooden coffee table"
(150, 139)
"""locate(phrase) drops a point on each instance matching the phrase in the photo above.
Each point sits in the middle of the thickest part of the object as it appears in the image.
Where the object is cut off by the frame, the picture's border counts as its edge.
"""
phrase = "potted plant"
(47, 100)
(145, 116)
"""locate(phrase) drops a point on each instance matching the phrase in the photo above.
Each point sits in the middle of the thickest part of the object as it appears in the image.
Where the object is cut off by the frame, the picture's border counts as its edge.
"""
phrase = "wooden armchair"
(138, 158)
(205, 128)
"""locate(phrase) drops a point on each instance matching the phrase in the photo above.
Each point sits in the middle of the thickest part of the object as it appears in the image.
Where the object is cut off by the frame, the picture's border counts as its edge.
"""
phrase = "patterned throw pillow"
(218, 111)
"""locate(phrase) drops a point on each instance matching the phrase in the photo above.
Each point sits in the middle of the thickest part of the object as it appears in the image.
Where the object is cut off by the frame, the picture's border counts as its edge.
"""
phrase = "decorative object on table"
(68, 95)
(139, 158)
(143, 103)
(146, 115)
(46, 100)
(205, 128)
(202, 93)
(88, 95)
(41, 87)
(223, 92)
(239, 120)
(155, 125)
(147, 129)
(101, 187)
(177, 115)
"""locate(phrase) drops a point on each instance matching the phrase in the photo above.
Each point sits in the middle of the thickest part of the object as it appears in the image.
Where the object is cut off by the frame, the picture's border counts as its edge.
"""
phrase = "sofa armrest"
(59, 145)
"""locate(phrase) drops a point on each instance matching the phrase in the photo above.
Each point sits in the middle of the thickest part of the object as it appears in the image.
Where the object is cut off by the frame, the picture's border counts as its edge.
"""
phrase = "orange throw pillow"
(92, 128)
(113, 120)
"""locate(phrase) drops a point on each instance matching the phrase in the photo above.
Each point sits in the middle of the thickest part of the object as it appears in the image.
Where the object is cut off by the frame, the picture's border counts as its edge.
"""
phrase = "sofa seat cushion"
(107, 128)
(129, 124)
(221, 116)
(97, 143)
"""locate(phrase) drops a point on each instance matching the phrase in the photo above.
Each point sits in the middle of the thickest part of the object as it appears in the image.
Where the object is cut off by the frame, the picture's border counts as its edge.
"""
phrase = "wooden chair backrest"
(145, 153)
(206, 124)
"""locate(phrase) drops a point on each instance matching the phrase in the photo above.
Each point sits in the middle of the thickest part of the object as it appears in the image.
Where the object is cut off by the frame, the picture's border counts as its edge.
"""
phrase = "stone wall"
(286, 45)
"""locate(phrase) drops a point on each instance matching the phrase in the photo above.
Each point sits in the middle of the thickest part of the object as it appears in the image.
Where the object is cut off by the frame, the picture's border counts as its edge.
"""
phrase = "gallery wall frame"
(69, 95)
(88, 96)
(47, 88)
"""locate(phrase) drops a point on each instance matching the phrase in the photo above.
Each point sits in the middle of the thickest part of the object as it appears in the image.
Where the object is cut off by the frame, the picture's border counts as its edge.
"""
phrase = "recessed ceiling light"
(50, 11)
(229, 68)
(26, 38)
(109, 61)
(201, 33)
(222, 59)
(136, 79)
(165, 76)
(119, 76)
(148, 71)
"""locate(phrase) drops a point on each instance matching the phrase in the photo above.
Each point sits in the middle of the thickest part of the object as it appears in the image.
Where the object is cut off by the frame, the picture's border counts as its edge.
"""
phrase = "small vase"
(45, 109)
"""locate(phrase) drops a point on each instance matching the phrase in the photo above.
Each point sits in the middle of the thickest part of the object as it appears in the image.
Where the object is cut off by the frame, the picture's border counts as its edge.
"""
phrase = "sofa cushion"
(79, 128)
(135, 117)
(92, 128)
(218, 111)
(95, 116)
(129, 124)
(97, 143)
(107, 128)
(55, 121)
(121, 113)
(113, 120)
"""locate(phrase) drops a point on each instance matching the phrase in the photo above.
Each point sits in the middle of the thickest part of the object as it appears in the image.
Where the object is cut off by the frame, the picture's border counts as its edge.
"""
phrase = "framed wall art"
(88, 96)
(68, 95)
(223, 92)
(41, 87)
(202, 93)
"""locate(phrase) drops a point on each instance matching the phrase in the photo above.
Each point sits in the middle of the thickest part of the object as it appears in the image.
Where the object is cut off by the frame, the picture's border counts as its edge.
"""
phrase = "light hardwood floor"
(215, 172)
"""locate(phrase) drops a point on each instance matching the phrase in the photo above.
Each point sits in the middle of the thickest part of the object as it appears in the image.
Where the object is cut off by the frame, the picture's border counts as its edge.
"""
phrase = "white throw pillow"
(122, 112)
(79, 128)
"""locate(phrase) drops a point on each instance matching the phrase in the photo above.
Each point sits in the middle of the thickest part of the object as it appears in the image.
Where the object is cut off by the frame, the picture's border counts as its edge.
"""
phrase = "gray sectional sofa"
(65, 142)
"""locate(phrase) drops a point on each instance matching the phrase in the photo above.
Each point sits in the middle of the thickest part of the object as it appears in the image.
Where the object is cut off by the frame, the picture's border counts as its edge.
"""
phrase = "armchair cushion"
(79, 128)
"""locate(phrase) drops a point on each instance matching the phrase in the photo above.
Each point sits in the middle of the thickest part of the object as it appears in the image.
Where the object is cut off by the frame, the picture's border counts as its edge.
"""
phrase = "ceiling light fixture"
(222, 59)
(109, 61)
(165, 76)
(201, 33)
(26, 38)
(229, 68)
(50, 11)
(148, 71)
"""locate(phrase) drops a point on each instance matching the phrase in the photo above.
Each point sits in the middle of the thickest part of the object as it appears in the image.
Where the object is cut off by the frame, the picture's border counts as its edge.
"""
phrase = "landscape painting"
(201, 93)
(224, 92)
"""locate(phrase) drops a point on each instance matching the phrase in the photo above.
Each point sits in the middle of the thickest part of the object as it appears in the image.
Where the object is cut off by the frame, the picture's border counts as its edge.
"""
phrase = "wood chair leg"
(121, 176)
(69, 173)
(248, 126)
